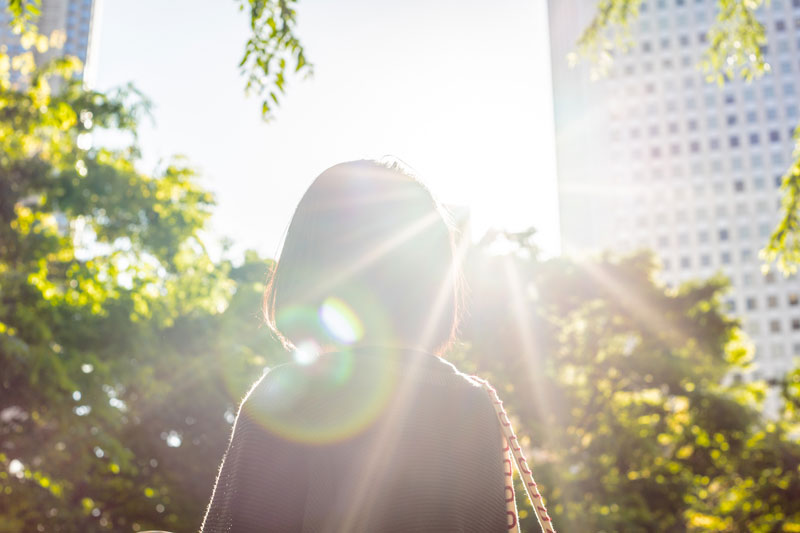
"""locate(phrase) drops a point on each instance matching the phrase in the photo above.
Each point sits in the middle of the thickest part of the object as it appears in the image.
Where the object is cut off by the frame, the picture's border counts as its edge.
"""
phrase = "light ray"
(386, 442)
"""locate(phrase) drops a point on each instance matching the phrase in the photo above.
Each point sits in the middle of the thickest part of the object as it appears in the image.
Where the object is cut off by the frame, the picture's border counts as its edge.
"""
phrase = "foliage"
(608, 31)
(271, 49)
(126, 347)
(736, 42)
(616, 383)
(24, 14)
(123, 345)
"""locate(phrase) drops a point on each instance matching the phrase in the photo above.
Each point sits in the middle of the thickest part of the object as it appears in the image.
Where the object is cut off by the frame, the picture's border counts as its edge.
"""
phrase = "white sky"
(458, 89)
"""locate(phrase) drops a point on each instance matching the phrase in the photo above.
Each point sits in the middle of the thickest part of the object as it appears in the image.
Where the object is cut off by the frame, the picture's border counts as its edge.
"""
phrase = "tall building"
(76, 18)
(653, 156)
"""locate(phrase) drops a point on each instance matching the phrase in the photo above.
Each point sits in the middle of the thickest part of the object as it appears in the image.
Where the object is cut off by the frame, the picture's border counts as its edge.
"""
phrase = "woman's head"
(368, 258)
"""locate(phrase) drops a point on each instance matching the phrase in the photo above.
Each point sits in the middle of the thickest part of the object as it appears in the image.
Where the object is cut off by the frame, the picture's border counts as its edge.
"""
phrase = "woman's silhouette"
(368, 429)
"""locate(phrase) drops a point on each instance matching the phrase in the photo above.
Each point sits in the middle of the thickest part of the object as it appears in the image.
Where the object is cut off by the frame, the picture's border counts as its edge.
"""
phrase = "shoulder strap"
(513, 448)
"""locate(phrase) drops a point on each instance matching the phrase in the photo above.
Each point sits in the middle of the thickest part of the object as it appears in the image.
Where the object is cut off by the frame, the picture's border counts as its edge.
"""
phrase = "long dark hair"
(369, 243)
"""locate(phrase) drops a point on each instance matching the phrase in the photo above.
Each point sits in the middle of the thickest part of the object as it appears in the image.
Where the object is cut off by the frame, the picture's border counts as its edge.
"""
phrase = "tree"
(617, 384)
(125, 349)
(123, 344)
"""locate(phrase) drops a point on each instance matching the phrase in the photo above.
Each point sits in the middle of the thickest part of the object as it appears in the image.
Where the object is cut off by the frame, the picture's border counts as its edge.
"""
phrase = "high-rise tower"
(653, 156)
(76, 18)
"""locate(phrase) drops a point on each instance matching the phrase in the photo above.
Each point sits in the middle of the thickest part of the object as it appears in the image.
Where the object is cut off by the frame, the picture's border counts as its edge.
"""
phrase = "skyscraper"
(653, 156)
(76, 18)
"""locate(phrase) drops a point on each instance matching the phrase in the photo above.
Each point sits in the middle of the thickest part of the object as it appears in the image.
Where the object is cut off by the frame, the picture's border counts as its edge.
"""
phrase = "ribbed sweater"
(366, 440)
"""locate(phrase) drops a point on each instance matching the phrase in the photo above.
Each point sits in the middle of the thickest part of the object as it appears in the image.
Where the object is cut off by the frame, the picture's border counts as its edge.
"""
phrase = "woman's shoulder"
(356, 377)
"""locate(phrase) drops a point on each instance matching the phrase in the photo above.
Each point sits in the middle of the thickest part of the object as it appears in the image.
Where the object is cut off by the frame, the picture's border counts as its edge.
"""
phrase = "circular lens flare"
(306, 352)
(340, 321)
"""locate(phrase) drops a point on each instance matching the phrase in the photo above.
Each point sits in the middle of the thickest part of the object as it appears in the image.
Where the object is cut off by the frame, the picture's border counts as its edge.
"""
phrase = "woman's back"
(363, 440)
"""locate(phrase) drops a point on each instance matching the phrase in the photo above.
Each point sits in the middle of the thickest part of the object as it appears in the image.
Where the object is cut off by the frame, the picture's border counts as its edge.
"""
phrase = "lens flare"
(340, 321)
(306, 352)
(332, 399)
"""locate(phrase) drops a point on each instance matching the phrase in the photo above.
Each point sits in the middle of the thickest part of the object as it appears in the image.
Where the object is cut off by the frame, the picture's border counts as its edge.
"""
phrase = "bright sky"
(458, 89)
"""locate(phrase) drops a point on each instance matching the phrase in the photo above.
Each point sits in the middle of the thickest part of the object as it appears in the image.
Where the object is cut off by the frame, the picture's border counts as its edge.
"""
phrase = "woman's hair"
(368, 256)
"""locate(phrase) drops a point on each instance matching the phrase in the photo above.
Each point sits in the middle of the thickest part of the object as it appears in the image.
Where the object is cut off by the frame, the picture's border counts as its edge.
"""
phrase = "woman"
(368, 429)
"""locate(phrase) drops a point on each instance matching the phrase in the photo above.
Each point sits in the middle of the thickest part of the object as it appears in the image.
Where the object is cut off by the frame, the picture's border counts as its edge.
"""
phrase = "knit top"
(363, 440)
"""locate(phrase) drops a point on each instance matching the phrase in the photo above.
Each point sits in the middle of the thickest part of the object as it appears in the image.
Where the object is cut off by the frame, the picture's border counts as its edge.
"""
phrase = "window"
(738, 185)
(751, 303)
(777, 350)
(772, 301)
(752, 117)
(794, 299)
(747, 256)
(754, 138)
(731, 120)
(744, 232)
(774, 326)
(774, 136)
(702, 236)
(646, 47)
(705, 260)
(686, 262)
(730, 98)
(725, 258)
(684, 40)
(663, 241)
(733, 141)
(664, 43)
(714, 144)
(772, 114)
(780, 25)
(691, 125)
(723, 234)
(759, 184)
(673, 127)
(655, 152)
(796, 327)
